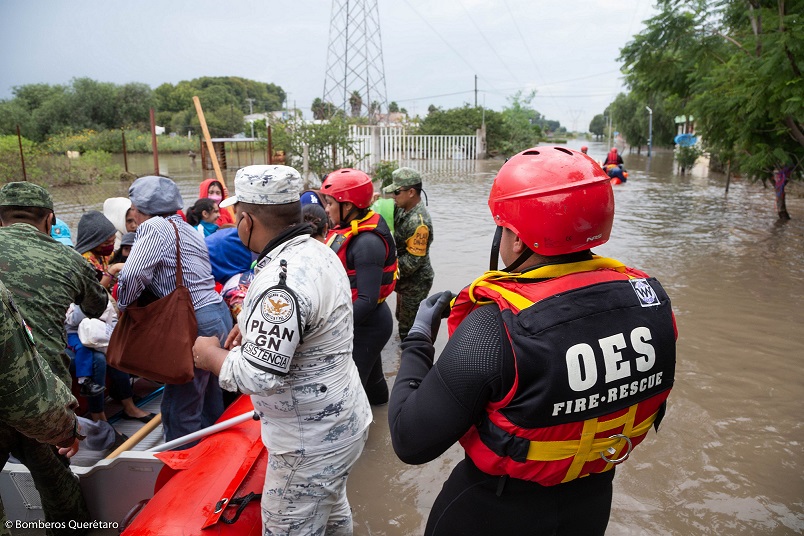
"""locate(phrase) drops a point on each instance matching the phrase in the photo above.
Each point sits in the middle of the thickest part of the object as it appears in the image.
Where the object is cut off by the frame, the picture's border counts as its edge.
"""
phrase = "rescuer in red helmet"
(362, 240)
(584, 149)
(556, 368)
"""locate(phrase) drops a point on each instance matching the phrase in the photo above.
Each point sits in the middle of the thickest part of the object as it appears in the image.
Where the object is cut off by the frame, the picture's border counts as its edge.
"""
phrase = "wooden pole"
(125, 154)
(728, 175)
(210, 149)
(132, 441)
(153, 143)
(22, 156)
(270, 147)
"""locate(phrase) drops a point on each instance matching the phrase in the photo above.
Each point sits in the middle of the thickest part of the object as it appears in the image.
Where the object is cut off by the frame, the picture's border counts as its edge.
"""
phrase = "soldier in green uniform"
(45, 278)
(413, 234)
(33, 402)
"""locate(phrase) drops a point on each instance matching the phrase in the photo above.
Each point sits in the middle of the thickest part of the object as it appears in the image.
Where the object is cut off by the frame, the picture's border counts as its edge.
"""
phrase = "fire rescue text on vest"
(582, 370)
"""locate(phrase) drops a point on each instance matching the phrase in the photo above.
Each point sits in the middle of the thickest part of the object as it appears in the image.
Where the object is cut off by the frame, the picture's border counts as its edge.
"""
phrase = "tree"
(223, 122)
(598, 126)
(329, 145)
(92, 104)
(317, 108)
(521, 121)
(374, 109)
(134, 101)
(393, 107)
(355, 103)
(736, 66)
(465, 121)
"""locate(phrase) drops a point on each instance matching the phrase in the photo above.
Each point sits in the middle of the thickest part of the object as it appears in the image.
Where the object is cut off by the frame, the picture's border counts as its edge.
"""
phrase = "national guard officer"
(413, 234)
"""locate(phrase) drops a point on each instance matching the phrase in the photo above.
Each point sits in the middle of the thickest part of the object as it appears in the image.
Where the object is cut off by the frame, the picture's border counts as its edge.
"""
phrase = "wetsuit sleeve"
(431, 407)
(367, 255)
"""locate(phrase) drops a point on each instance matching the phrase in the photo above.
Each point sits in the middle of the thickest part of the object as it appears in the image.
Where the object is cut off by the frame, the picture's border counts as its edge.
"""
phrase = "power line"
(491, 47)
(436, 96)
(446, 42)
(527, 48)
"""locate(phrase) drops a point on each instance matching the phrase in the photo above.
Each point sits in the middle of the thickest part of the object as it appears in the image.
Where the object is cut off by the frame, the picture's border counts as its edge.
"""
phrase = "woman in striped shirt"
(151, 267)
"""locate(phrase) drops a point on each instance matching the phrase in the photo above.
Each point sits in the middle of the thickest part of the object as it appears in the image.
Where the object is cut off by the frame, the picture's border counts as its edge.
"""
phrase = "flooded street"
(729, 458)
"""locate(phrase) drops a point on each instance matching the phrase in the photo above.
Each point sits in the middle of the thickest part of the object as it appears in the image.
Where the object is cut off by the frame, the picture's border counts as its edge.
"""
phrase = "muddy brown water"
(729, 457)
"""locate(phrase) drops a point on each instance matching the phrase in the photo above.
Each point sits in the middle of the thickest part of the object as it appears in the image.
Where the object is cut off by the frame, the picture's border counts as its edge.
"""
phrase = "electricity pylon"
(355, 78)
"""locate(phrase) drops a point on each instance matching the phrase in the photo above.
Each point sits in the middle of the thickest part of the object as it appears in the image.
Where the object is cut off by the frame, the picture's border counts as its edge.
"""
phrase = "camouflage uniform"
(44, 276)
(35, 406)
(413, 234)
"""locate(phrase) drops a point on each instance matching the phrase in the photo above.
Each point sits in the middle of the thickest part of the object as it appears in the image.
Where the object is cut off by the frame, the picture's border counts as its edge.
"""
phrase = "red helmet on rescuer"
(349, 186)
(556, 200)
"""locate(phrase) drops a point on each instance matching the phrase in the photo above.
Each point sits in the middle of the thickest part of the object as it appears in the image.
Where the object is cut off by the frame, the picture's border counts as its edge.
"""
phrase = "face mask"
(216, 198)
(248, 240)
(106, 250)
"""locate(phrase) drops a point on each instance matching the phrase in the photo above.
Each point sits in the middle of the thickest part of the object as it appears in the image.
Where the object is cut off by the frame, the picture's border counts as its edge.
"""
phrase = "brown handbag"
(155, 341)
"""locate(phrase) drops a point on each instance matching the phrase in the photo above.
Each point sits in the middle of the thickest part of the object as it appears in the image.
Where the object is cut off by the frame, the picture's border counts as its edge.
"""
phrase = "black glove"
(431, 311)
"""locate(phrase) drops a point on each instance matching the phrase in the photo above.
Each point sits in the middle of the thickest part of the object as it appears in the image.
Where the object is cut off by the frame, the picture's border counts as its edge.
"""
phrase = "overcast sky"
(432, 49)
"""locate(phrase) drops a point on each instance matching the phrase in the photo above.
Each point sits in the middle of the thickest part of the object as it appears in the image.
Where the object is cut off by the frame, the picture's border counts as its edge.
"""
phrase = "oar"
(140, 434)
(204, 432)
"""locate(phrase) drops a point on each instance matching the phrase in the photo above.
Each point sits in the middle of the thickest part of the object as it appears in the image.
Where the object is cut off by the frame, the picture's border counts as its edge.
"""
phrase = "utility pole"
(650, 128)
(475, 91)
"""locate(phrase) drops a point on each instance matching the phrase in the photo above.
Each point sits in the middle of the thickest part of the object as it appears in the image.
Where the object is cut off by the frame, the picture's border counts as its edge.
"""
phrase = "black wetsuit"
(373, 321)
(476, 367)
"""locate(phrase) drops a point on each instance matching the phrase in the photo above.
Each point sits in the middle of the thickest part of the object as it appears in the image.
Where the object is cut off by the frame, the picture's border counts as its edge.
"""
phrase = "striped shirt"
(152, 263)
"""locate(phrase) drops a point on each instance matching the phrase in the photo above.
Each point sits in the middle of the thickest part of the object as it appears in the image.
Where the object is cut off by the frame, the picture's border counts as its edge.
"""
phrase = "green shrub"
(383, 171)
(687, 156)
(111, 141)
(54, 169)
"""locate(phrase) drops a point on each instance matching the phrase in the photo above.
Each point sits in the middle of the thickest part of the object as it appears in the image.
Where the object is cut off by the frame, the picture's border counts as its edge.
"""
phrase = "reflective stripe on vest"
(338, 240)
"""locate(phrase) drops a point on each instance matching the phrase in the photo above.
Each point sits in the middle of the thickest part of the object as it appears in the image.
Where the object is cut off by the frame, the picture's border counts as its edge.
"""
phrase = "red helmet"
(557, 200)
(584, 148)
(349, 185)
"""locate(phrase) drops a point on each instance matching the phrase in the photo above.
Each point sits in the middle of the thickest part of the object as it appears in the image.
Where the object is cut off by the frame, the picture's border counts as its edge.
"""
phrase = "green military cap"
(403, 177)
(25, 194)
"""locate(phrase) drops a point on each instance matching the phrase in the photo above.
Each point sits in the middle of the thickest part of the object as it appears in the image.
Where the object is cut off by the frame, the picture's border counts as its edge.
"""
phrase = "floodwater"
(729, 457)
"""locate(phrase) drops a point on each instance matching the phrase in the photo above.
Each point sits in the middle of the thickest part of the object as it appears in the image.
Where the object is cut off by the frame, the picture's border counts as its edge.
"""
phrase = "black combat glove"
(431, 311)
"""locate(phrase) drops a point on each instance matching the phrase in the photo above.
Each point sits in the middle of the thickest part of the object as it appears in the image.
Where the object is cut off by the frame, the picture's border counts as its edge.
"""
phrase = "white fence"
(373, 144)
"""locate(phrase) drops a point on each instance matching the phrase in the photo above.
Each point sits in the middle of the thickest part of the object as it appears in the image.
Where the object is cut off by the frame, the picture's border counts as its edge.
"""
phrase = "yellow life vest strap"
(355, 223)
(587, 448)
(489, 278)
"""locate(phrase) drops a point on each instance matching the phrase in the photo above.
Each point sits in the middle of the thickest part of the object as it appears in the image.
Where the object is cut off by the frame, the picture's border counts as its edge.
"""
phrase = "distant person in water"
(613, 164)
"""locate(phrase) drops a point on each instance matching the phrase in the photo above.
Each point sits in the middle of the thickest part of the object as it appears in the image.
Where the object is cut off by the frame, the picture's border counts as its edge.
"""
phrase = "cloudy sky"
(565, 50)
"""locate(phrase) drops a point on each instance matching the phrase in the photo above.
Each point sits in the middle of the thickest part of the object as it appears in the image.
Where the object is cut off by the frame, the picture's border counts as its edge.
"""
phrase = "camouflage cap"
(265, 185)
(403, 177)
(25, 194)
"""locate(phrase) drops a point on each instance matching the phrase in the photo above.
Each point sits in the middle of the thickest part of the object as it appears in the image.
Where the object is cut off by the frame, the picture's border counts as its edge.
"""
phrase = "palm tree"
(356, 102)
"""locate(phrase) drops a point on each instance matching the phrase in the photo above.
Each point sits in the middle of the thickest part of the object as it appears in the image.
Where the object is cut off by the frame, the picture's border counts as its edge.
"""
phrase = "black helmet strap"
(495, 253)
